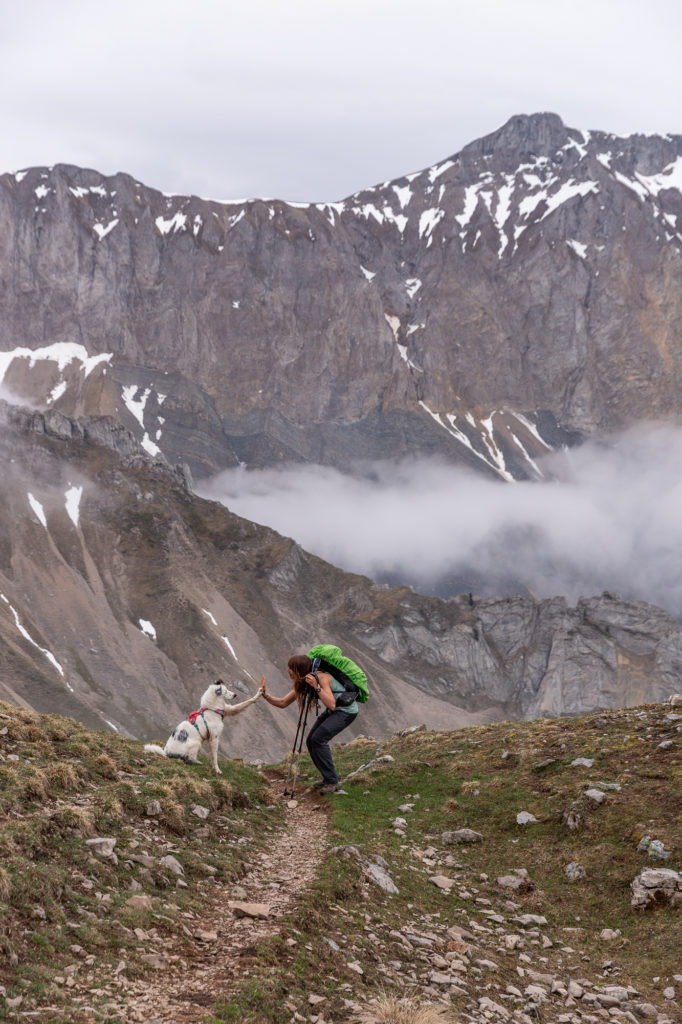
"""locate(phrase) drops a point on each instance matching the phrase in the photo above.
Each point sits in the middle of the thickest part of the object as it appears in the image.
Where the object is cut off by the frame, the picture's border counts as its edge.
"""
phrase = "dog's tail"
(153, 748)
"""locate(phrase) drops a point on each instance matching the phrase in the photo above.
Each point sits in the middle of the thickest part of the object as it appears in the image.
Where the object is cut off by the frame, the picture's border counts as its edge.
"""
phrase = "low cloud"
(608, 516)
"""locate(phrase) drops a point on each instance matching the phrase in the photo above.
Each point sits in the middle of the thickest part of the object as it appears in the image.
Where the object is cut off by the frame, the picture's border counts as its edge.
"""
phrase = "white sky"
(309, 100)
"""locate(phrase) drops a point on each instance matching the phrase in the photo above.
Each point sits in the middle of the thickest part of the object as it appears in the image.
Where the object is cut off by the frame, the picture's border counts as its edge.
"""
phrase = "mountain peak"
(539, 134)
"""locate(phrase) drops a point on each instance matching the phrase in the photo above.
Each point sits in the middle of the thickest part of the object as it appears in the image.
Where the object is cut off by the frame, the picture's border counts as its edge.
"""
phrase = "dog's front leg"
(213, 749)
(234, 709)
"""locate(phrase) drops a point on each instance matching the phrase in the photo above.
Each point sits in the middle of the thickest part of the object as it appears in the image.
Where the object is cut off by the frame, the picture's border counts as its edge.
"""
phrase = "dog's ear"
(219, 687)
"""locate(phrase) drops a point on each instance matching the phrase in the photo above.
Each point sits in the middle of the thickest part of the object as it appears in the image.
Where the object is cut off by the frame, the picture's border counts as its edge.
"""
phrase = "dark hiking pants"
(327, 725)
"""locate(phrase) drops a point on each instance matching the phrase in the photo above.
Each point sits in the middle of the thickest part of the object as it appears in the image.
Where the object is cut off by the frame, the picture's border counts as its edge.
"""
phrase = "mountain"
(518, 296)
(514, 298)
(122, 595)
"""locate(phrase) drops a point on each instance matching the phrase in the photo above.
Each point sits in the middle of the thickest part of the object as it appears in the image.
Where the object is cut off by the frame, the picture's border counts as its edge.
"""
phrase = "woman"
(331, 722)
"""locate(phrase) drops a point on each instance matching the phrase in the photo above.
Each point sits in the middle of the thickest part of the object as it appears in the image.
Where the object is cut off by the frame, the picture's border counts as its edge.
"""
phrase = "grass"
(480, 778)
(61, 784)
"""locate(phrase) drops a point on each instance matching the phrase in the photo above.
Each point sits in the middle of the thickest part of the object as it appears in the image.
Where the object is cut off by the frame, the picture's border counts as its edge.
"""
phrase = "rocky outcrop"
(521, 294)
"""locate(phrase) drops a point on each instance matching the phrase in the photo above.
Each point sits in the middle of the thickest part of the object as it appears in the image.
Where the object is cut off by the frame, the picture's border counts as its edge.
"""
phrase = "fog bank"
(608, 516)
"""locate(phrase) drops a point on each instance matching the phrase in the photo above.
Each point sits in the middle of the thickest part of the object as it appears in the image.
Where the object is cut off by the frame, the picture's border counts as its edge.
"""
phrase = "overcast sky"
(309, 100)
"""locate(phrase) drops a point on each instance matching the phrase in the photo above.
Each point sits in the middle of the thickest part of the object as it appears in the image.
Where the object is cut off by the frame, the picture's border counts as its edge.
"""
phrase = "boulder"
(374, 868)
(241, 909)
(172, 864)
(103, 847)
(656, 885)
(574, 872)
(460, 836)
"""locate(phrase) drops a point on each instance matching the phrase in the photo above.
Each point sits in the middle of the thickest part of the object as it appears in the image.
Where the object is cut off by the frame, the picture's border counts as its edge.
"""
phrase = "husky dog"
(204, 725)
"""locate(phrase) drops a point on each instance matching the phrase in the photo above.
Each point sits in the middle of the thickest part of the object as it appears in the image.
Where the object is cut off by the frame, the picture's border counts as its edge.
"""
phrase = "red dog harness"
(192, 717)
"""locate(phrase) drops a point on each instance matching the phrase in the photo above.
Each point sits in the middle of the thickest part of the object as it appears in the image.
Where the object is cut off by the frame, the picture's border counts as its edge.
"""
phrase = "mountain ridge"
(481, 308)
(122, 595)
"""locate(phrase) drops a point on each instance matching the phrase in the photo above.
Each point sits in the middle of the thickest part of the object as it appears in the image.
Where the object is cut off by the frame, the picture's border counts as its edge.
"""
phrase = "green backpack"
(342, 669)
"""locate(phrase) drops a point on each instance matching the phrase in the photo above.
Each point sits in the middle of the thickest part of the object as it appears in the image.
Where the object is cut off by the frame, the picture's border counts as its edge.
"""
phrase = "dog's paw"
(218, 771)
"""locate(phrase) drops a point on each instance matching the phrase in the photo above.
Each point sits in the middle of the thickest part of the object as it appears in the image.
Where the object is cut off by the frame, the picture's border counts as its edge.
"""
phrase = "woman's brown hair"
(300, 665)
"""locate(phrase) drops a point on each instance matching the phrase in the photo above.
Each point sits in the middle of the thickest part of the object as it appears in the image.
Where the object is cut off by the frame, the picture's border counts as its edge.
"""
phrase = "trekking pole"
(297, 753)
(307, 696)
(304, 709)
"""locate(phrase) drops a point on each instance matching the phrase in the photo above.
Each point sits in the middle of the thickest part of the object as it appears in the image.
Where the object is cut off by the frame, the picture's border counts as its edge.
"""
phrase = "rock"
(574, 872)
(536, 992)
(571, 819)
(487, 965)
(292, 804)
(406, 807)
(487, 1006)
(665, 745)
(618, 992)
(374, 868)
(438, 978)
(675, 699)
(582, 762)
(355, 966)
(515, 882)
(316, 1000)
(525, 818)
(609, 934)
(656, 885)
(140, 902)
(200, 812)
(595, 795)
(541, 765)
(103, 847)
(153, 808)
(206, 936)
(442, 881)
(399, 823)
(172, 864)
(654, 847)
(241, 909)
(645, 1010)
(460, 837)
(154, 960)
(14, 1003)
(669, 992)
(531, 920)
(575, 990)
(142, 858)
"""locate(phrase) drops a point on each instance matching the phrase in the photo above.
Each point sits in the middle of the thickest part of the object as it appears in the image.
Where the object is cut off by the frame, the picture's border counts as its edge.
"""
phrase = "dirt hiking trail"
(199, 967)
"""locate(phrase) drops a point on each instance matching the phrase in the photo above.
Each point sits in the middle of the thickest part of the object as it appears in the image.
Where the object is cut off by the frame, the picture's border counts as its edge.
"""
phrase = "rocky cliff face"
(122, 595)
(520, 294)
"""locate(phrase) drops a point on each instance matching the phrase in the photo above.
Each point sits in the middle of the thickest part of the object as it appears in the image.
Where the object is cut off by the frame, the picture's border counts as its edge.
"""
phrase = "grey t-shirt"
(338, 688)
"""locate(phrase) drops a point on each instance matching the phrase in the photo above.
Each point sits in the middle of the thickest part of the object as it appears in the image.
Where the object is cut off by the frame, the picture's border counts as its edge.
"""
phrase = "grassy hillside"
(481, 778)
(67, 924)
(64, 911)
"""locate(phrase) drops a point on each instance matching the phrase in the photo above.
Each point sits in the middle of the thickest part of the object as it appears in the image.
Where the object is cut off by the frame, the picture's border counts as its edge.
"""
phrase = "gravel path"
(198, 971)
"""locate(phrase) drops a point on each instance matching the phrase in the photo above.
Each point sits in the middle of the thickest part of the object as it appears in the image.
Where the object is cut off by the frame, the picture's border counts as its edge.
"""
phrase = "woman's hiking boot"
(329, 787)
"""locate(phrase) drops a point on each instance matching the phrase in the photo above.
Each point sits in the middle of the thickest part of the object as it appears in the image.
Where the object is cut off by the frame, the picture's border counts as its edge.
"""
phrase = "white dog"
(204, 725)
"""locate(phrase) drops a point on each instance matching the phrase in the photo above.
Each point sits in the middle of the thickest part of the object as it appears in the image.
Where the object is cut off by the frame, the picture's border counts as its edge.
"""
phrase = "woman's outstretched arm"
(277, 702)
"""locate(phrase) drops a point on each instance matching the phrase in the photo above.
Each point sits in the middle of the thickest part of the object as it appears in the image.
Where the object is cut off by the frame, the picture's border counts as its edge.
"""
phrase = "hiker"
(331, 722)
